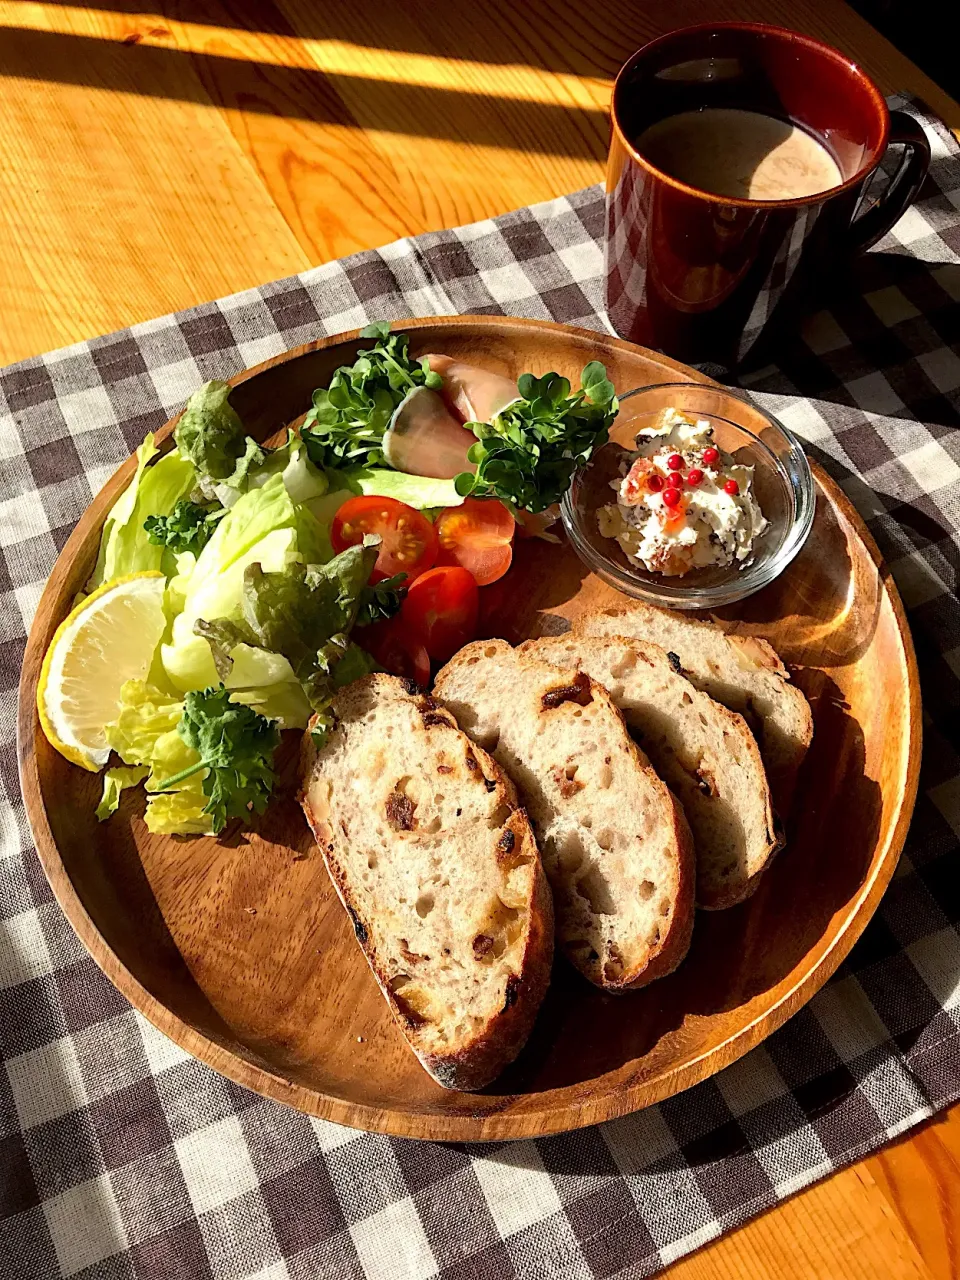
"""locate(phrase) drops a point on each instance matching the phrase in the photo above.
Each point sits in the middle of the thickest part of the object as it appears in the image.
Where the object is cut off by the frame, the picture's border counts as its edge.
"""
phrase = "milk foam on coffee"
(743, 154)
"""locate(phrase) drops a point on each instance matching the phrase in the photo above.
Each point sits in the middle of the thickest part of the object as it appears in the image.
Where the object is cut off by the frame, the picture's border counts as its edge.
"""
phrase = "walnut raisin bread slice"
(741, 671)
(704, 753)
(615, 845)
(437, 865)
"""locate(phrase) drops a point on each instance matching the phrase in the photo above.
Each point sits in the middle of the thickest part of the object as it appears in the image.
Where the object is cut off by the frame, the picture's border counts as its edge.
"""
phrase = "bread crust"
(477, 1061)
(588, 653)
(674, 941)
(783, 731)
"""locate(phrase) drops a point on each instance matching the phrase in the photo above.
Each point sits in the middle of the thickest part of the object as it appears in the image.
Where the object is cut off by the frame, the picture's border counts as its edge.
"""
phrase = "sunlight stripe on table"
(517, 81)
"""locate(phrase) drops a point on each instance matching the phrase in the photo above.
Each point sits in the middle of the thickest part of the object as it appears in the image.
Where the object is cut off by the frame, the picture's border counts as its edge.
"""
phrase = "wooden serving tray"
(240, 952)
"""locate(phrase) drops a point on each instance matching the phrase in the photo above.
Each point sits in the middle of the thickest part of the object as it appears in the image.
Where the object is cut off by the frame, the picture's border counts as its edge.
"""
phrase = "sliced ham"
(477, 394)
(425, 439)
(532, 524)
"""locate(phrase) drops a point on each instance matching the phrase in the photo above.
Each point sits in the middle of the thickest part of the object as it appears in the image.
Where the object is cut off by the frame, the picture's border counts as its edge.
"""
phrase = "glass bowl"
(782, 485)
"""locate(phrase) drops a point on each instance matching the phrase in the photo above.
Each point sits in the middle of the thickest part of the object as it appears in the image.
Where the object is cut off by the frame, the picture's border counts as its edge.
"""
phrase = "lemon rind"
(75, 755)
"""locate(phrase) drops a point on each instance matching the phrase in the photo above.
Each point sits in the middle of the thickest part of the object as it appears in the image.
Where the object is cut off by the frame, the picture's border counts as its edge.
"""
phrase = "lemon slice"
(109, 638)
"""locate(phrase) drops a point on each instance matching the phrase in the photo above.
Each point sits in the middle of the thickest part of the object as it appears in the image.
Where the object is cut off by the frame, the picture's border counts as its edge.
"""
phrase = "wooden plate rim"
(558, 1113)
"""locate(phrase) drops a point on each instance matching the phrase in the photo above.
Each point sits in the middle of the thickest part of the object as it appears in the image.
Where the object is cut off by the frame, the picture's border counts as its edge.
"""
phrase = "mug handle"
(901, 191)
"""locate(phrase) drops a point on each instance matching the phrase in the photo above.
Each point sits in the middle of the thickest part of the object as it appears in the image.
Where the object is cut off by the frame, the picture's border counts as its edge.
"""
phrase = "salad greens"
(346, 424)
(266, 527)
(213, 464)
(234, 747)
(145, 734)
(125, 546)
(303, 613)
(211, 436)
(115, 781)
(421, 492)
(260, 610)
(228, 462)
(527, 455)
(303, 481)
(188, 527)
(205, 758)
(381, 600)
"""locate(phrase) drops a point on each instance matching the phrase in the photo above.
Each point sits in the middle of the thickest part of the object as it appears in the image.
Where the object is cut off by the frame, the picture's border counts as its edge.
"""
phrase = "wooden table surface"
(151, 161)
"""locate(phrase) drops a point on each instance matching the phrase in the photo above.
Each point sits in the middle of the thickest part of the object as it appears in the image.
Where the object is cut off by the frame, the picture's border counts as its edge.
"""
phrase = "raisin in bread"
(740, 671)
(705, 754)
(615, 845)
(438, 868)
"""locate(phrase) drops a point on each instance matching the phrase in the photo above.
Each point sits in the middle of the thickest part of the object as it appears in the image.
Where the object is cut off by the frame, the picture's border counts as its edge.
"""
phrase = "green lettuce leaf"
(294, 611)
(264, 527)
(181, 810)
(283, 702)
(114, 781)
(179, 813)
(211, 435)
(125, 545)
(228, 462)
(145, 734)
(421, 492)
(247, 465)
(145, 714)
(381, 600)
(354, 663)
(224, 635)
(304, 614)
(302, 480)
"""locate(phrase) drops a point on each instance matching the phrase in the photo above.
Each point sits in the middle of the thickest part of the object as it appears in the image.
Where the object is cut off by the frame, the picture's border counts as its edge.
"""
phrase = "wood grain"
(238, 949)
(206, 148)
(839, 1228)
(97, 233)
(893, 1217)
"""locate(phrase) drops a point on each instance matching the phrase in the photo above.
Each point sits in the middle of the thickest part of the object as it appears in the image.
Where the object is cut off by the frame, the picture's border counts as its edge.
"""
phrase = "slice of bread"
(743, 672)
(704, 753)
(615, 844)
(438, 868)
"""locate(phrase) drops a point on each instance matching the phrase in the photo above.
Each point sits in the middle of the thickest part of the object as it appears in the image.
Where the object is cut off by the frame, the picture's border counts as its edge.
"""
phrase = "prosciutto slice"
(476, 394)
(425, 439)
(537, 524)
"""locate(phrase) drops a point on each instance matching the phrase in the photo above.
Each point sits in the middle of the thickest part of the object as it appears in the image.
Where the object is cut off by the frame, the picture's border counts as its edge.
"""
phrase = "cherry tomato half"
(409, 540)
(396, 649)
(441, 609)
(477, 536)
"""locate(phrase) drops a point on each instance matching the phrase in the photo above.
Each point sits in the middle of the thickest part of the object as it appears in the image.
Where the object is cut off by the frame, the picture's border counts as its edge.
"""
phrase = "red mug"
(711, 278)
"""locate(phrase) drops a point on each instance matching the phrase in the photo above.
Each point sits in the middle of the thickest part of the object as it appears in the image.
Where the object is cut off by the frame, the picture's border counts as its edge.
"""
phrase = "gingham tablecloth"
(120, 1156)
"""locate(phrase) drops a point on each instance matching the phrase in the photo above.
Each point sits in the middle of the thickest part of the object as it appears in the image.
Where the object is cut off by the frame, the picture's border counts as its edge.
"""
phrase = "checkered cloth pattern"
(122, 1157)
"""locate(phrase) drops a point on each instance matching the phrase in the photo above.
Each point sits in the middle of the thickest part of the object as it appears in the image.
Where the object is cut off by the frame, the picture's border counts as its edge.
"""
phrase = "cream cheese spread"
(684, 503)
